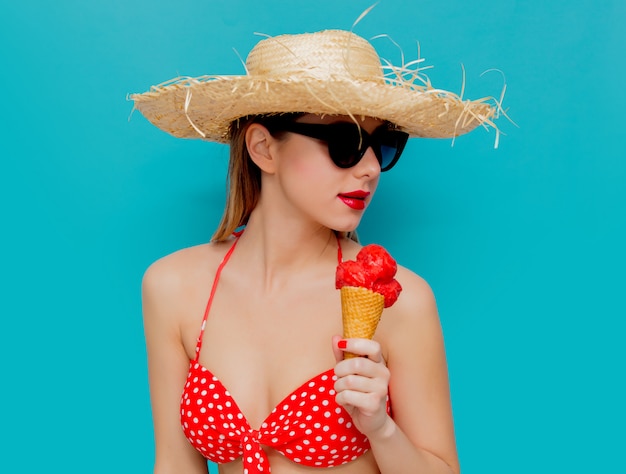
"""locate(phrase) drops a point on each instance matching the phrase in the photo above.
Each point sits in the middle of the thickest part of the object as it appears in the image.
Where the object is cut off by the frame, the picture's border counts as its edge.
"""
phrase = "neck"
(276, 250)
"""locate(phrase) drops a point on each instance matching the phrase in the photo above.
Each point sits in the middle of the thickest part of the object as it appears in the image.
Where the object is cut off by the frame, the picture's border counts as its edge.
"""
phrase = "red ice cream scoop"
(373, 269)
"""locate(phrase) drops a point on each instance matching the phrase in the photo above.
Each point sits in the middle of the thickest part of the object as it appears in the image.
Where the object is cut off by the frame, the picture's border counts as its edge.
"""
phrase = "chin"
(351, 227)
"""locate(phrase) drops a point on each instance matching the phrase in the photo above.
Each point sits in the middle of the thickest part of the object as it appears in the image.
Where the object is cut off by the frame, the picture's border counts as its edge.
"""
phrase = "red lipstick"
(354, 199)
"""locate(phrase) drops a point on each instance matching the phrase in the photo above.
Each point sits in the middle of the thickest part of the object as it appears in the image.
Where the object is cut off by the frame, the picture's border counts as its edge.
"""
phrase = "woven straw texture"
(331, 72)
(361, 310)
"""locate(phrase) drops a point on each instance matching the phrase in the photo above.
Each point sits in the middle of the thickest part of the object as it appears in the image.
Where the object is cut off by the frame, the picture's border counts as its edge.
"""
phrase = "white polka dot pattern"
(307, 426)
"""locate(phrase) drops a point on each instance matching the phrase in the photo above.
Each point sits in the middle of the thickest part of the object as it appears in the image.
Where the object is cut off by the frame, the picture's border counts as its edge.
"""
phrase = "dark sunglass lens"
(388, 153)
(343, 144)
(392, 142)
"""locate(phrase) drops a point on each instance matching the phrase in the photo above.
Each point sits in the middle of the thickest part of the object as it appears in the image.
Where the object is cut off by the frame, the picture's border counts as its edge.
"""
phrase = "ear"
(259, 144)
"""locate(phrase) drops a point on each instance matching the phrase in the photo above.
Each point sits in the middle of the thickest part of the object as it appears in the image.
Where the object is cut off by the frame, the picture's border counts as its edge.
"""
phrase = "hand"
(362, 384)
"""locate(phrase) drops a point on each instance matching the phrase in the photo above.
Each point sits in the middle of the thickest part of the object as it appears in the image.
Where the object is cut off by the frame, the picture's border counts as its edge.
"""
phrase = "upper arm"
(168, 365)
(419, 386)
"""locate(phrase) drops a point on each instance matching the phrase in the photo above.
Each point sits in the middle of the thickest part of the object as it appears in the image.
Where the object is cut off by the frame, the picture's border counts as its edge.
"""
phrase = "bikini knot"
(254, 458)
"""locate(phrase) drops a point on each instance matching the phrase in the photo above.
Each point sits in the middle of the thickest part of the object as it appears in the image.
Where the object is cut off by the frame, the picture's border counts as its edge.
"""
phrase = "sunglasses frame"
(334, 135)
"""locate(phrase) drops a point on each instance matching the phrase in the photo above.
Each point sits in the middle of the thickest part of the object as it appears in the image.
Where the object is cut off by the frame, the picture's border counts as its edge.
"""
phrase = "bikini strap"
(213, 289)
(339, 254)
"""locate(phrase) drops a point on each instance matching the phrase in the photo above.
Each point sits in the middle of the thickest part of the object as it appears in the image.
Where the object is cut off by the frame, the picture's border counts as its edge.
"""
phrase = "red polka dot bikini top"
(307, 426)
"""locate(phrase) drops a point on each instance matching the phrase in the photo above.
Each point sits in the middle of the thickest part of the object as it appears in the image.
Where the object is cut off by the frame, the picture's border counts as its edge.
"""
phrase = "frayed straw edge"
(363, 15)
(468, 115)
(356, 22)
(500, 110)
(243, 63)
(407, 74)
(132, 111)
(193, 125)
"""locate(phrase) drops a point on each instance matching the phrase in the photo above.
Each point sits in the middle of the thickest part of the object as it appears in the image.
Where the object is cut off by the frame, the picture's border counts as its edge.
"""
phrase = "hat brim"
(205, 107)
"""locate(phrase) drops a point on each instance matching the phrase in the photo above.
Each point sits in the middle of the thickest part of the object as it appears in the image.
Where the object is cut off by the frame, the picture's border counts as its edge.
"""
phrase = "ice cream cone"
(361, 310)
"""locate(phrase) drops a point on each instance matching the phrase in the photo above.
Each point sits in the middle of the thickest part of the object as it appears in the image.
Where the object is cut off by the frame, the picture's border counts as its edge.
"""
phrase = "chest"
(263, 347)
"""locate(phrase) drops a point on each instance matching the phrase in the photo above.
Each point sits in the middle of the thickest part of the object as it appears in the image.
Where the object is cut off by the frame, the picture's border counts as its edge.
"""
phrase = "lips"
(354, 199)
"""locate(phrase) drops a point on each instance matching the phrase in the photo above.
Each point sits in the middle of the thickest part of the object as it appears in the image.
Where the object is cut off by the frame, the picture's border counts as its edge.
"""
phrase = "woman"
(264, 385)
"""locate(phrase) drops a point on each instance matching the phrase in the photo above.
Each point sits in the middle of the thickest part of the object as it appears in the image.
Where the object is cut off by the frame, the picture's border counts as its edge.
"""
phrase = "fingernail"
(342, 344)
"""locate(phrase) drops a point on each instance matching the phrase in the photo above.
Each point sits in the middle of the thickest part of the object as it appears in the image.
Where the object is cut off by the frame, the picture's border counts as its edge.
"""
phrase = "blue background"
(523, 246)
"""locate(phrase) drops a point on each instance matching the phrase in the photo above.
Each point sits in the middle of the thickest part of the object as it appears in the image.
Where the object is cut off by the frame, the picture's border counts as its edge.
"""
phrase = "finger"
(360, 366)
(362, 347)
(367, 403)
(359, 383)
(338, 353)
(373, 355)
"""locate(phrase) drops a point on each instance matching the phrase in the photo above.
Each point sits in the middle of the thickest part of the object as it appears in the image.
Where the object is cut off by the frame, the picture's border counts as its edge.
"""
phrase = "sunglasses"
(347, 143)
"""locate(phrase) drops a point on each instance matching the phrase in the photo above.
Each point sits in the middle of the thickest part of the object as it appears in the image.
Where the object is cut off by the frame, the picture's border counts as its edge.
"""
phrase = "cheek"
(309, 161)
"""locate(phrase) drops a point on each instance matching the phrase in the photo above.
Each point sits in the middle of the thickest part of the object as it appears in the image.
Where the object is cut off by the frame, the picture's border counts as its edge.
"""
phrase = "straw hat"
(331, 72)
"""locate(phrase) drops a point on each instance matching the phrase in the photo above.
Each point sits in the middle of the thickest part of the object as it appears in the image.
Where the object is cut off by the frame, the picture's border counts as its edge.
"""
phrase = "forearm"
(396, 454)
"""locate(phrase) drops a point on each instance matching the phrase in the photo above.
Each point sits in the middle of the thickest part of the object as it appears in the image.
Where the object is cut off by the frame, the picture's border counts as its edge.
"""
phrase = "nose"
(369, 165)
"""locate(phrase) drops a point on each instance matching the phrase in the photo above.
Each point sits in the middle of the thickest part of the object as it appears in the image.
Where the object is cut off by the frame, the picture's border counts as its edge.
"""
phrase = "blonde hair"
(244, 180)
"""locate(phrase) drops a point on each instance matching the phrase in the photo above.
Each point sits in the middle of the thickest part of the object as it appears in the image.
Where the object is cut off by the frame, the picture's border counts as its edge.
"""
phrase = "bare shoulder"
(417, 298)
(413, 318)
(173, 271)
(171, 279)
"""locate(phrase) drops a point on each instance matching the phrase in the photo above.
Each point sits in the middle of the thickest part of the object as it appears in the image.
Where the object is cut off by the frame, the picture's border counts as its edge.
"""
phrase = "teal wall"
(524, 245)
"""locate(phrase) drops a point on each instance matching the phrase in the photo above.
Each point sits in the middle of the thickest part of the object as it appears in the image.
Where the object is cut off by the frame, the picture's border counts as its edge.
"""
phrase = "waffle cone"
(361, 310)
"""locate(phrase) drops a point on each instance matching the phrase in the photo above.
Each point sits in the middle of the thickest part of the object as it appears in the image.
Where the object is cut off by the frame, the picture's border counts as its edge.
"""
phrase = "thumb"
(336, 351)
